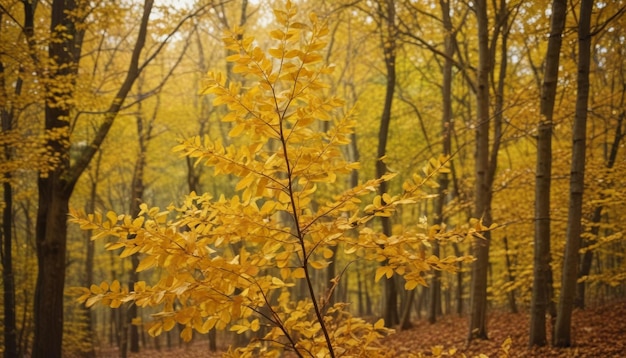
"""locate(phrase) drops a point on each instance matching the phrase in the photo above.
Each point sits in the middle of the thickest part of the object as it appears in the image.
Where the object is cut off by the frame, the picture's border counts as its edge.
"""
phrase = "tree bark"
(562, 337)
(6, 236)
(56, 187)
(446, 131)
(587, 258)
(90, 256)
(387, 12)
(482, 200)
(541, 292)
(8, 279)
(511, 276)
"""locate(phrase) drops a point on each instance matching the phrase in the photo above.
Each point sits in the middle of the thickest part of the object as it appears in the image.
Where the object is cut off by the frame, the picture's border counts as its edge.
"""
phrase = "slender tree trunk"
(542, 273)
(446, 128)
(6, 236)
(89, 259)
(405, 322)
(585, 265)
(389, 49)
(562, 337)
(459, 281)
(54, 191)
(138, 187)
(482, 209)
(509, 271)
(8, 279)
(56, 187)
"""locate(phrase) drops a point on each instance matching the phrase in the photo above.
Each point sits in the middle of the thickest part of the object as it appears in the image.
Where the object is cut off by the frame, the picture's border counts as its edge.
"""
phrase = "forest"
(313, 178)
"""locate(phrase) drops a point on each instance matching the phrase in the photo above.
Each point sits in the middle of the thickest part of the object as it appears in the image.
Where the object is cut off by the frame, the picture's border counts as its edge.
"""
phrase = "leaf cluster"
(232, 263)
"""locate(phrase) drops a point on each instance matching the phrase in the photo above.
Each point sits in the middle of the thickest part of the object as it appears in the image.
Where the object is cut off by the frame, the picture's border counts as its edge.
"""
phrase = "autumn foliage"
(247, 263)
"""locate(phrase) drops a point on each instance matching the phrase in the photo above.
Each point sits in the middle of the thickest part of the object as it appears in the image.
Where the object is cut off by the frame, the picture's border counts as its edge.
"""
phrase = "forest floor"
(596, 332)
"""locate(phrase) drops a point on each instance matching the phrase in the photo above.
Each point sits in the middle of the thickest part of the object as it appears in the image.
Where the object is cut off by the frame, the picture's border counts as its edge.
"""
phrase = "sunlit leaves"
(232, 262)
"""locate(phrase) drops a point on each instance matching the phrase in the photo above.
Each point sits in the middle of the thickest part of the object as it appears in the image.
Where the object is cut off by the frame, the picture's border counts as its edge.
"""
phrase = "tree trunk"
(8, 280)
(459, 281)
(387, 12)
(562, 337)
(144, 135)
(405, 322)
(56, 187)
(6, 236)
(446, 128)
(585, 265)
(55, 190)
(542, 272)
(511, 276)
(482, 205)
(89, 259)
(54, 195)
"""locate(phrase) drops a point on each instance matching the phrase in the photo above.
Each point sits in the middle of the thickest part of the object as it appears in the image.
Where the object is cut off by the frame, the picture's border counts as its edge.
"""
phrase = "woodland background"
(94, 96)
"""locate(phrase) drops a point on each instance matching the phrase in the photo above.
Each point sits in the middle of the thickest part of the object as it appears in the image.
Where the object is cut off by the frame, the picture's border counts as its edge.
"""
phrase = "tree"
(228, 262)
(446, 130)
(387, 17)
(608, 69)
(562, 334)
(482, 205)
(541, 296)
(67, 27)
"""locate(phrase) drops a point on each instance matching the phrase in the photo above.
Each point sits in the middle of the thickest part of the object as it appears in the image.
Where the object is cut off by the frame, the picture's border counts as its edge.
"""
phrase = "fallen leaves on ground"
(596, 332)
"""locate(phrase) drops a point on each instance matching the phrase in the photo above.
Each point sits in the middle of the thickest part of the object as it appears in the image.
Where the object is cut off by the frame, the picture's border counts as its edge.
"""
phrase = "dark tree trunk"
(446, 128)
(387, 12)
(509, 271)
(585, 265)
(482, 209)
(542, 273)
(89, 259)
(8, 279)
(459, 282)
(6, 236)
(562, 335)
(55, 188)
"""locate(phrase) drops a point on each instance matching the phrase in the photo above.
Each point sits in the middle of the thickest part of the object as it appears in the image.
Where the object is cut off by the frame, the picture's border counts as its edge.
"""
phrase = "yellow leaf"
(146, 263)
(186, 334)
(410, 284)
(380, 272)
(156, 329)
(112, 217)
(255, 325)
(92, 301)
(311, 58)
(277, 34)
(114, 246)
(437, 350)
(237, 130)
(276, 52)
(115, 286)
(130, 250)
(318, 265)
(285, 272)
(95, 289)
(380, 324)
(238, 328)
(298, 273)
(278, 282)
